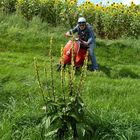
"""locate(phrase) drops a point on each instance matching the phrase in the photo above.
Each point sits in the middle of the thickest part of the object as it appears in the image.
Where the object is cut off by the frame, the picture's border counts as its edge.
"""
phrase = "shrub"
(9, 6)
(27, 8)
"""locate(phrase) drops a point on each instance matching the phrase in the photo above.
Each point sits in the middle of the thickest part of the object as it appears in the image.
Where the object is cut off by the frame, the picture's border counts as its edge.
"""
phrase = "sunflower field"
(110, 21)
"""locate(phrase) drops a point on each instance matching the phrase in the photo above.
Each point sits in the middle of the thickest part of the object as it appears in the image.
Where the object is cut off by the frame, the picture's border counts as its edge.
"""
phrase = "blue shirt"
(87, 34)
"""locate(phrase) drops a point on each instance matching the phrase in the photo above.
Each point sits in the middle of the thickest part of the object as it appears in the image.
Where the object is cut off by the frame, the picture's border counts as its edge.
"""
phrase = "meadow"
(110, 95)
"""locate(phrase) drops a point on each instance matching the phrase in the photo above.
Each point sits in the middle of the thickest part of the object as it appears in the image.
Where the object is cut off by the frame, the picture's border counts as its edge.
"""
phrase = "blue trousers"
(94, 65)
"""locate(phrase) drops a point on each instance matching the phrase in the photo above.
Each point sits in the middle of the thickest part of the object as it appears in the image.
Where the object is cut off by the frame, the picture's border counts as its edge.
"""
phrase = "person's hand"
(68, 53)
(67, 34)
(85, 43)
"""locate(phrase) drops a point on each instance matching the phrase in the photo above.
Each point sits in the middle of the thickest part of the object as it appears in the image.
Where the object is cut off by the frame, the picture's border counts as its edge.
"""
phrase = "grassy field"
(112, 94)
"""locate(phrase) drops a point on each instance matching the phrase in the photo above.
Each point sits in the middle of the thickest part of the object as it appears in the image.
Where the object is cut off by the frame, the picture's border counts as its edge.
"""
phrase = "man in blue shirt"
(87, 35)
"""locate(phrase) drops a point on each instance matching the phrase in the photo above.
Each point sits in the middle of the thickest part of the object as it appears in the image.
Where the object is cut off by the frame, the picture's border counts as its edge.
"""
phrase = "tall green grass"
(111, 95)
(19, 35)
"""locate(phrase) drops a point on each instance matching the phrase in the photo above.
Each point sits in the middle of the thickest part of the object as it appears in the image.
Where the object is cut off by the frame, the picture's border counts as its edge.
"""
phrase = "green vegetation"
(111, 21)
(110, 95)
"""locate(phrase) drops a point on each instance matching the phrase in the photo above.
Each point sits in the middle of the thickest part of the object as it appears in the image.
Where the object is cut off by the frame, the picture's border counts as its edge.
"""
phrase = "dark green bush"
(8, 6)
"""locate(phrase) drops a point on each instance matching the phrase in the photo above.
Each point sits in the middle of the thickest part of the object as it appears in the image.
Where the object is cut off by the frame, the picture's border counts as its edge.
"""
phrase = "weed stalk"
(62, 78)
(51, 71)
(82, 76)
(38, 79)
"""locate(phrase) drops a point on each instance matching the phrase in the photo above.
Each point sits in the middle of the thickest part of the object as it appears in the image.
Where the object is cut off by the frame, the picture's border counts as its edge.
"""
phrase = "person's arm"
(91, 36)
(74, 30)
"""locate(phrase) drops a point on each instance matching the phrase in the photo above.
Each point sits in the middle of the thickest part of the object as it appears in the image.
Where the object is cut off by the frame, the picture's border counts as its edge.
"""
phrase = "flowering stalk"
(51, 69)
(46, 77)
(62, 78)
(38, 79)
(72, 69)
(82, 76)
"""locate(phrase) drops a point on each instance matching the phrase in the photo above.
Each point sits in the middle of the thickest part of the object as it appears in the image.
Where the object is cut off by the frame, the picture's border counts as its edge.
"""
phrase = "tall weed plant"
(65, 115)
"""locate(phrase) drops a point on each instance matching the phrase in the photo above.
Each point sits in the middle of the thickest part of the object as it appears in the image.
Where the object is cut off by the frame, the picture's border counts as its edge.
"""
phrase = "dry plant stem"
(72, 70)
(62, 78)
(46, 76)
(82, 76)
(38, 79)
(51, 71)
(70, 84)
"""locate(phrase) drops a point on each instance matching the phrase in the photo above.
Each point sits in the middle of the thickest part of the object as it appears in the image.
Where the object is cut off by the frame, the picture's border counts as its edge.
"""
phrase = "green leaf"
(80, 130)
(74, 116)
(47, 122)
(51, 133)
